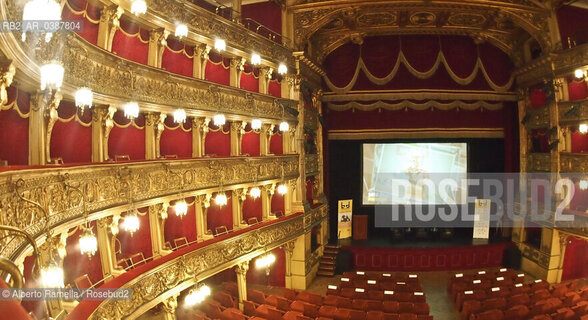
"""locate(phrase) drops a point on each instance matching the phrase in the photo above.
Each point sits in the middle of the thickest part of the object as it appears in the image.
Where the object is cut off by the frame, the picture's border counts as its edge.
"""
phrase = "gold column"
(201, 203)
(107, 229)
(235, 69)
(267, 192)
(199, 131)
(289, 196)
(265, 134)
(199, 61)
(169, 307)
(42, 117)
(241, 272)
(109, 22)
(108, 124)
(99, 114)
(153, 129)
(238, 197)
(288, 250)
(237, 131)
(563, 243)
(265, 74)
(157, 42)
(298, 263)
(156, 212)
(317, 97)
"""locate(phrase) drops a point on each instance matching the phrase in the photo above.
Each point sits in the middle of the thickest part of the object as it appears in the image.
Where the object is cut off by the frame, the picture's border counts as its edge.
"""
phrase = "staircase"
(328, 260)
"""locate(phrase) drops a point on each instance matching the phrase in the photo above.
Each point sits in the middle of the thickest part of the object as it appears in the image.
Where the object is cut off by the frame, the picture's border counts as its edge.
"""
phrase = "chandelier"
(131, 222)
(181, 208)
(88, 242)
(40, 10)
(180, 116)
(181, 30)
(284, 126)
(255, 59)
(52, 276)
(255, 124)
(84, 98)
(51, 76)
(219, 120)
(131, 110)
(282, 189)
(220, 45)
(265, 262)
(138, 7)
(197, 295)
(255, 192)
(583, 128)
(282, 69)
(221, 199)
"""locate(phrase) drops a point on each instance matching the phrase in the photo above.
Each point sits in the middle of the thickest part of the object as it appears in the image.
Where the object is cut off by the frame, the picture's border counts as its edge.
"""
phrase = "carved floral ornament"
(498, 22)
(106, 186)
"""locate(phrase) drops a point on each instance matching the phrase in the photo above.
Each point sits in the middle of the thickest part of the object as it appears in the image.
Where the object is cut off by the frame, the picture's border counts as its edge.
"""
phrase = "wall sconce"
(181, 30)
(220, 45)
(138, 7)
(265, 262)
(197, 295)
(255, 59)
(583, 128)
(84, 98)
(579, 74)
(131, 110)
(180, 116)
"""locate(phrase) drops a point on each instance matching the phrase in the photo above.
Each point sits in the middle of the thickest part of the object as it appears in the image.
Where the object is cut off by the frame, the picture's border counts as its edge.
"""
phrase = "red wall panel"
(575, 259)
(218, 142)
(128, 140)
(267, 13)
(178, 58)
(275, 89)
(14, 130)
(309, 183)
(75, 264)
(579, 142)
(250, 144)
(176, 227)
(217, 69)
(572, 23)
(71, 140)
(252, 208)
(220, 216)
(133, 45)
(249, 82)
(176, 141)
(577, 89)
(278, 201)
(81, 10)
(276, 144)
(140, 241)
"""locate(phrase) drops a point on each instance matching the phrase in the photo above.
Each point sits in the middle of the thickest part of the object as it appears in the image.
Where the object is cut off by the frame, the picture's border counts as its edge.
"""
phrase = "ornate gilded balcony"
(106, 186)
(573, 162)
(312, 164)
(537, 118)
(538, 162)
(573, 112)
(566, 61)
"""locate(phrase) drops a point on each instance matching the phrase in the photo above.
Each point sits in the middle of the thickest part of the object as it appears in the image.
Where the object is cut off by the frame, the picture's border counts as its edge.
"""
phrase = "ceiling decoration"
(326, 25)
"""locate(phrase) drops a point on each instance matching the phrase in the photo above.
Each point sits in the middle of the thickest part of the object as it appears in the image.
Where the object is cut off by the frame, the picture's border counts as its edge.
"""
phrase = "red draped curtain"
(131, 42)
(176, 139)
(218, 141)
(278, 201)
(71, 138)
(178, 57)
(250, 142)
(127, 137)
(579, 141)
(575, 259)
(276, 144)
(577, 89)
(252, 208)
(309, 184)
(217, 69)
(85, 12)
(250, 78)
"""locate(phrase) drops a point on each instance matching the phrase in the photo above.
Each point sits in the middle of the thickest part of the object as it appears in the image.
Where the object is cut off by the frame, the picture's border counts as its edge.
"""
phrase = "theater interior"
(265, 159)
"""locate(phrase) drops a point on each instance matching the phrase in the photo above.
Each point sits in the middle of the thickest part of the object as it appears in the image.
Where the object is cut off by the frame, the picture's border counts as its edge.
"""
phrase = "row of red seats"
(377, 276)
(402, 294)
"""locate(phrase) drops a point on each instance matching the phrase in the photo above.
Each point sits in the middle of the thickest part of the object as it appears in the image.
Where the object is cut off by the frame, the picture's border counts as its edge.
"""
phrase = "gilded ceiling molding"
(107, 186)
(168, 279)
(406, 104)
(421, 133)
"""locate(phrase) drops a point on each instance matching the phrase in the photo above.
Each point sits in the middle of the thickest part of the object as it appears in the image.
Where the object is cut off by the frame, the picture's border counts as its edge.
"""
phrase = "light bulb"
(88, 242)
(284, 126)
(255, 124)
(255, 192)
(255, 59)
(282, 69)
(51, 76)
(583, 128)
(131, 110)
(579, 73)
(84, 98)
(181, 208)
(52, 276)
(220, 45)
(131, 222)
(583, 184)
(40, 10)
(138, 7)
(221, 199)
(219, 120)
(180, 116)
(282, 189)
(181, 31)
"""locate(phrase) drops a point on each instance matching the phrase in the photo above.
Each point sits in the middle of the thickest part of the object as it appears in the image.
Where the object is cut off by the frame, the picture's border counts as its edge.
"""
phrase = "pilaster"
(199, 131)
(109, 22)
(156, 228)
(107, 229)
(237, 132)
(267, 192)
(202, 203)
(235, 69)
(199, 60)
(265, 134)
(265, 74)
(157, 42)
(241, 273)
(238, 197)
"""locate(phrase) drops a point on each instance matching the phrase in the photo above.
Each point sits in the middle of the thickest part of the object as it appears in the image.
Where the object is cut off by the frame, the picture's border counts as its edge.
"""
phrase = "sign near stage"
(345, 209)
(482, 219)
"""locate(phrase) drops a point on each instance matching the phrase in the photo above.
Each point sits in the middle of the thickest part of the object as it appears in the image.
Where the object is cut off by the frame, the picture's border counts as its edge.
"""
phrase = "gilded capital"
(238, 63)
(7, 72)
(242, 268)
(266, 72)
(289, 246)
(159, 36)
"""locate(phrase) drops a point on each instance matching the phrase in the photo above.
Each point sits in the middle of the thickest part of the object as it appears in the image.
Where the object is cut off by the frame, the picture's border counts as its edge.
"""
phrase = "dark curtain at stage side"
(345, 172)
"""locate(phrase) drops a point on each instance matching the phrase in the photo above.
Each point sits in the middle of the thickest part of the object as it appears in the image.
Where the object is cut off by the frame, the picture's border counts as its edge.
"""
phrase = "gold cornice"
(108, 186)
(180, 273)
(419, 133)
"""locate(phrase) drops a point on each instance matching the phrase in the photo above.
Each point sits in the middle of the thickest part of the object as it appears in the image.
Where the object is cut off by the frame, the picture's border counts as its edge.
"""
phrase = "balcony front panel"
(538, 162)
(573, 162)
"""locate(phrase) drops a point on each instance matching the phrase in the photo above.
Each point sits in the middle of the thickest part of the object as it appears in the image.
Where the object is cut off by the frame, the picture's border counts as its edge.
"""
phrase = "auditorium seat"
(521, 298)
(570, 299)
(564, 314)
(469, 307)
(374, 315)
(330, 300)
(289, 294)
(232, 314)
(493, 314)
(520, 311)
(421, 308)
(249, 308)
(256, 296)
(298, 306)
(327, 311)
(406, 307)
(225, 299)
(390, 306)
(424, 317)
(291, 315)
(310, 297)
(391, 316)
(407, 316)
(279, 302)
(342, 314)
(374, 305)
(375, 295)
(356, 315)
(403, 296)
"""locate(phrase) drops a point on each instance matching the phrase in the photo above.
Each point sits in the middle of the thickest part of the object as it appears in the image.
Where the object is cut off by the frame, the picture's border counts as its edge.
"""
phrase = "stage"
(383, 254)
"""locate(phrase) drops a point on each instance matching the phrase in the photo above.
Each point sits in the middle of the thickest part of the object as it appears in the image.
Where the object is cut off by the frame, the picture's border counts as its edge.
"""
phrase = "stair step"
(327, 262)
(326, 269)
(325, 274)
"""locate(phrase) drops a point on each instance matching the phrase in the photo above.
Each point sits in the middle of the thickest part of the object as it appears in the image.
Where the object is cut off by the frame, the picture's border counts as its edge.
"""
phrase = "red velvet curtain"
(572, 23)
(176, 227)
(75, 264)
(341, 63)
(309, 183)
(72, 140)
(218, 142)
(250, 143)
(249, 81)
(537, 96)
(129, 140)
(575, 259)
(178, 62)
(217, 69)
(275, 89)
(140, 241)
(90, 29)
(14, 130)
(278, 201)
(577, 89)
(220, 216)
(276, 143)
(277, 276)
(176, 141)
(135, 48)
(252, 208)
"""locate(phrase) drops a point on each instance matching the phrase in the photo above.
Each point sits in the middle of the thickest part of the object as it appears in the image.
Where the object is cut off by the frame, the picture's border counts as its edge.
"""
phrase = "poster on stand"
(345, 216)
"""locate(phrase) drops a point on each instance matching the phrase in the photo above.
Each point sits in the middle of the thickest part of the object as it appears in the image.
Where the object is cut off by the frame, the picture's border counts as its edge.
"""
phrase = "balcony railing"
(573, 162)
(537, 118)
(312, 164)
(538, 162)
(106, 186)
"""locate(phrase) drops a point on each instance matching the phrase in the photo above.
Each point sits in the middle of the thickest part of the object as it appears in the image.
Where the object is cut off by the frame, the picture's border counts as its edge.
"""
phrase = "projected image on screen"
(384, 164)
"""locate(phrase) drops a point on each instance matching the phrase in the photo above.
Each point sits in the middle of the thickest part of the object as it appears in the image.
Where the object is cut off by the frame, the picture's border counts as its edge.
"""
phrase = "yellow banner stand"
(345, 216)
